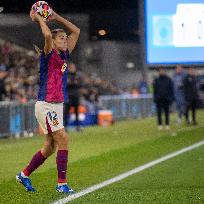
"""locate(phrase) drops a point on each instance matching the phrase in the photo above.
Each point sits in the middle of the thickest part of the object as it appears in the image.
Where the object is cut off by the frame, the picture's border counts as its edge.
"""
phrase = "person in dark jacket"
(74, 86)
(191, 95)
(163, 96)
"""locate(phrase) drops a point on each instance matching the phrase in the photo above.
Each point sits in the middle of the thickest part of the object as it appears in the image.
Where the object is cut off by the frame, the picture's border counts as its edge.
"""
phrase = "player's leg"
(61, 139)
(41, 112)
(49, 146)
(37, 160)
(55, 126)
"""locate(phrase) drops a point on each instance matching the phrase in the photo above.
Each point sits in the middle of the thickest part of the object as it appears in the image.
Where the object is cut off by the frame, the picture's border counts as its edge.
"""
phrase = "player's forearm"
(45, 29)
(68, 25)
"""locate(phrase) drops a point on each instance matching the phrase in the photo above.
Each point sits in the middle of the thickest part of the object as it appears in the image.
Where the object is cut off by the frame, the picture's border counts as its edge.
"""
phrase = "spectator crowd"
(19, 78)
(19, 82)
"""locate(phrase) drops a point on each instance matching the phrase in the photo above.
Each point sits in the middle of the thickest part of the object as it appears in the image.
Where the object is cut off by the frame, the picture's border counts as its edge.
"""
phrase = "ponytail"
(37, 49)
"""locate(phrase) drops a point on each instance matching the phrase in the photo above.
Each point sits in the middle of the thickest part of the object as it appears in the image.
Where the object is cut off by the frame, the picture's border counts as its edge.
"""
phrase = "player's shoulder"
(46, 55)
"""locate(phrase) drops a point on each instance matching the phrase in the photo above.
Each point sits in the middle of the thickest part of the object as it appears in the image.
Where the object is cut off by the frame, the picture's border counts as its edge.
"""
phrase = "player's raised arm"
(45, 31)
(71, 28)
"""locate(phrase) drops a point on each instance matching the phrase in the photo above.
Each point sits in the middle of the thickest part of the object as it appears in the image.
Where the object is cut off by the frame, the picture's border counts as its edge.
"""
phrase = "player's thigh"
(40, 114)
(49, 141)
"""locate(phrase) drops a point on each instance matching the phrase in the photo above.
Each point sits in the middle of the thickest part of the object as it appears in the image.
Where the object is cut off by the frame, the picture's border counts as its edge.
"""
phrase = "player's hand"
(54, 16)
(35, 16)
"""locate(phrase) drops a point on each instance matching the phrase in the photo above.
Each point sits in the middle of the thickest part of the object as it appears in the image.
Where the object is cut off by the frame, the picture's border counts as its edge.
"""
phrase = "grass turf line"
(176, 181)
(114, 150)
(96, 169)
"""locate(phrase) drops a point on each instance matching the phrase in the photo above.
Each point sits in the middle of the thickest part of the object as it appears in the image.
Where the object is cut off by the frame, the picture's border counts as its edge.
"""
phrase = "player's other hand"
(54, 16)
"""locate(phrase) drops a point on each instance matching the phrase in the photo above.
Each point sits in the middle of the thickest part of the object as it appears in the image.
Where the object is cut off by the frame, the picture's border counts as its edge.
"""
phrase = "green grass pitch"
(98, 154)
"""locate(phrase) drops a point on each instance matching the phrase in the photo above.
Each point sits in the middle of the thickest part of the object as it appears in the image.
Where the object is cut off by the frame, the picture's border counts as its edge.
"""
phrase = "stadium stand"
(19, 77)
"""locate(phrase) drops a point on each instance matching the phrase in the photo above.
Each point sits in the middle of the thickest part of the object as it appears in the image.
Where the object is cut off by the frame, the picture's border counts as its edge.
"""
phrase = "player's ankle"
(24, 175)
(61, 184)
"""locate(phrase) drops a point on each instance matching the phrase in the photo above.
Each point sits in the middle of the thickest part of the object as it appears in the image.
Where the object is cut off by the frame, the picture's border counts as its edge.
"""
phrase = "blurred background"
(136, 61)
(122, 43)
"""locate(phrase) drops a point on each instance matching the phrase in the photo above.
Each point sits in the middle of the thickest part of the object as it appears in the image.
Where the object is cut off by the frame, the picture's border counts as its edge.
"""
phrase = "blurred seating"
(19, 78)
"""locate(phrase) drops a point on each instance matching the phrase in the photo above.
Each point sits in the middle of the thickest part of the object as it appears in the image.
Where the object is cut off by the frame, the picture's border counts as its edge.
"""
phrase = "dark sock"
(61, 160)
(37, 160)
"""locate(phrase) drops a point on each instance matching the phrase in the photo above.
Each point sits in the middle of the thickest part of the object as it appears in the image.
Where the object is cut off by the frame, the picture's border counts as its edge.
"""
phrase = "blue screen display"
(174, 31)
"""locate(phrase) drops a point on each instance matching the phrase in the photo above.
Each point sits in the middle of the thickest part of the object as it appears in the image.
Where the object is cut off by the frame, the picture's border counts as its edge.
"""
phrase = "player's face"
(60, 41)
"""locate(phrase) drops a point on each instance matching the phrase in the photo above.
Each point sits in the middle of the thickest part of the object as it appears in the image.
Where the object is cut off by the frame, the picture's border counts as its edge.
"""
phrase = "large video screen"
(175, 31)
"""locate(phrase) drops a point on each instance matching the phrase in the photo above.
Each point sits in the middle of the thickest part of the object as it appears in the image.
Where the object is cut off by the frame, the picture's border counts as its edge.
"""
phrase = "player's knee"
(61, 139)
(49, 148)
(54, 147)
(46, 151)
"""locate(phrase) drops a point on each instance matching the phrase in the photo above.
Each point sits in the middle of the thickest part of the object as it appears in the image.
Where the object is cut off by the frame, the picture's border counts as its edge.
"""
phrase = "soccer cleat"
(26, 182)
(64, 189)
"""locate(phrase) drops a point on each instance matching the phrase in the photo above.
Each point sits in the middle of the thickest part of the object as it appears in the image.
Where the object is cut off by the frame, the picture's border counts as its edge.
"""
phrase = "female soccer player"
(52, 95)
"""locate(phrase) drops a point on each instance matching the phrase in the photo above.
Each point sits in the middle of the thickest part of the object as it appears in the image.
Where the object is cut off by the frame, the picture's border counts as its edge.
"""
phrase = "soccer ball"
(42, 8)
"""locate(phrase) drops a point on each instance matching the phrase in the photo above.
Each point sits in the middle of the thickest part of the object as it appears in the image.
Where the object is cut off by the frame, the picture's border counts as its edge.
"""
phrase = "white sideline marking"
(127, 174)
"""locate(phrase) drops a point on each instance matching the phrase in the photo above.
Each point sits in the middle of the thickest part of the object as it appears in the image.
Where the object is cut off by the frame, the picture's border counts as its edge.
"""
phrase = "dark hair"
(56, 31)
(54, 34)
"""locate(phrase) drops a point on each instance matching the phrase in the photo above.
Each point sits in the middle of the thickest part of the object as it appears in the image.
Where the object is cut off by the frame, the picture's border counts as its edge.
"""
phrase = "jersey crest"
(64, 66)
